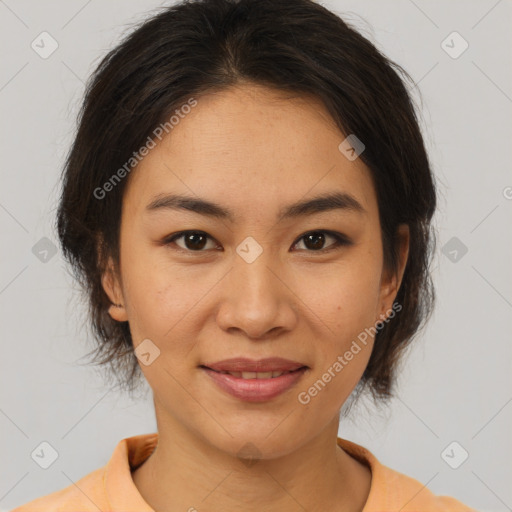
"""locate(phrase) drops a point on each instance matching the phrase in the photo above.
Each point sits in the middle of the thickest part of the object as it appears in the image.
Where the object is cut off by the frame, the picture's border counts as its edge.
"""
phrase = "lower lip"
(255, 390)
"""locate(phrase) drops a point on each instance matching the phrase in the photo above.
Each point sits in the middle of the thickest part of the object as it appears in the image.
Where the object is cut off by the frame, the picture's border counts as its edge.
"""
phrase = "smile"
(256, 375)
(255, 386)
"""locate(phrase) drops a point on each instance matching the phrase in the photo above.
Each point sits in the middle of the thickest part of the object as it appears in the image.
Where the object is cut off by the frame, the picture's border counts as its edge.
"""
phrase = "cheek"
(347, 307)
(164, 299)
(345, 296)
(153, 300)
(346, 302)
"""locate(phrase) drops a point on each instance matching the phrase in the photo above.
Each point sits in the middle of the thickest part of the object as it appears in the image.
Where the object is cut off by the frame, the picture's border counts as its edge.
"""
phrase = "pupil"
(197, 241)
(318, 240)
(192, 241)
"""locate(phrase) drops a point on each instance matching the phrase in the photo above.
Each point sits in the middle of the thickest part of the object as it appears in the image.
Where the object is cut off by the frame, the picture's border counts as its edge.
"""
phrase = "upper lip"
(243, 364)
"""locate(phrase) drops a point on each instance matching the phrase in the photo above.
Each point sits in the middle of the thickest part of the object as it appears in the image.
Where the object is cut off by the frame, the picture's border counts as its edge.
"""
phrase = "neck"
(186, 472)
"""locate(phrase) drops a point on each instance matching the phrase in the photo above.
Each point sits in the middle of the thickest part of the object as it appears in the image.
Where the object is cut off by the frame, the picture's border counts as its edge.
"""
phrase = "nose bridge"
(256, 282)
(255, 301)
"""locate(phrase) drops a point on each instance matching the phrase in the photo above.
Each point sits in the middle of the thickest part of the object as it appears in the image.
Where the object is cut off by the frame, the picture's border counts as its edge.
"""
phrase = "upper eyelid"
(339, 237)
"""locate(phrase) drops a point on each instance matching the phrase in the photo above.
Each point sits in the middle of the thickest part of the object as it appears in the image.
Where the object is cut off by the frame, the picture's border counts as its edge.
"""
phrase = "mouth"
(244, 365)
(255, 381)
(255, 375)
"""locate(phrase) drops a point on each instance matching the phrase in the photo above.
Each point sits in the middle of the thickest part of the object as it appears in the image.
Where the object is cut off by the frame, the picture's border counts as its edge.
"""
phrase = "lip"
(243, 364)
(255, 390)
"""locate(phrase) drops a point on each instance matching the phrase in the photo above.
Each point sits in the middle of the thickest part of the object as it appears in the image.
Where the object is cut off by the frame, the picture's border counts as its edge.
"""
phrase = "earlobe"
(391, 285)
(117, 312)
(113, 290)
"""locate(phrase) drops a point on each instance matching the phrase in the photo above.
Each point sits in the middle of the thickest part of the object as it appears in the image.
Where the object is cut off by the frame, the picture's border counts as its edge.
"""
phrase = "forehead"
(252, 148)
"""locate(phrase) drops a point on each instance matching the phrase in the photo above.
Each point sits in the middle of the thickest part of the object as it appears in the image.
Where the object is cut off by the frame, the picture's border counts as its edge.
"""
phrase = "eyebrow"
(318, 204)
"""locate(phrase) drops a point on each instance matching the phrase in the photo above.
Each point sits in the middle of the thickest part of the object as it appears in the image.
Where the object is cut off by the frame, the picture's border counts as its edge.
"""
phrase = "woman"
(247, 204)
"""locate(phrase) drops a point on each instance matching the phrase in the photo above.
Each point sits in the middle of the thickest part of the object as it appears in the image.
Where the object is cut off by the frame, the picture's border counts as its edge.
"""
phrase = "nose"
(256, 300)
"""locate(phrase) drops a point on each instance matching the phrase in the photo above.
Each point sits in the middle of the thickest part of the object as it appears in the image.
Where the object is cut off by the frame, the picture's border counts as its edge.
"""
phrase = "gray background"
(455, 384)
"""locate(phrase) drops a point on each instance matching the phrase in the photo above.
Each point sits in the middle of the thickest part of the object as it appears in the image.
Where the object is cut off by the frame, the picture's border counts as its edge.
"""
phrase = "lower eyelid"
(177, 236)
(339, 240)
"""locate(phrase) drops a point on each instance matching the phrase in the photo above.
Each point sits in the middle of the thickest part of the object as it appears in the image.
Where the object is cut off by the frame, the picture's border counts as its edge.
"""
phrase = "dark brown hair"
(201, 46)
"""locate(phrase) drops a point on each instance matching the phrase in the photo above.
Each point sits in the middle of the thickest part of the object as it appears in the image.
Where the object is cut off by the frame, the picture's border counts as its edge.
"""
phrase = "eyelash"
(340, 240)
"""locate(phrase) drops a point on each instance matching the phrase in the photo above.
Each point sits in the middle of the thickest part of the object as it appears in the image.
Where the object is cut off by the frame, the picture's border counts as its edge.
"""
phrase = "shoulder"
(392, 490)
(86, 495)
(410, 495)
(110, 487)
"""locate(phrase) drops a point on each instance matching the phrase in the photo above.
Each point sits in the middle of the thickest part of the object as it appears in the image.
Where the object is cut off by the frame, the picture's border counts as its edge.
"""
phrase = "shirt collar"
(131, 452)
(122, 494)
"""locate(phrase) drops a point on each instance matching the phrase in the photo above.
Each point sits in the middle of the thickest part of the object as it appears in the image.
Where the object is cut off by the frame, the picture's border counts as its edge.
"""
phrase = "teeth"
(256, 375)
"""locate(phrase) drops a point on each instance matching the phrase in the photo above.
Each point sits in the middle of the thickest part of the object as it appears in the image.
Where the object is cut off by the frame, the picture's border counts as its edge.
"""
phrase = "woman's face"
(264, 278)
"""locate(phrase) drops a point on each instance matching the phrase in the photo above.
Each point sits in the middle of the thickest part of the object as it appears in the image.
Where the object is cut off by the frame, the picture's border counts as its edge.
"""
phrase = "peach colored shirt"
(111, 487)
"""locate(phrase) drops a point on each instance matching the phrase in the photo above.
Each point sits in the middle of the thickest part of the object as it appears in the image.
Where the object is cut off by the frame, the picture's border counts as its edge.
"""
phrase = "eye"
(194, 241)
(314, 240)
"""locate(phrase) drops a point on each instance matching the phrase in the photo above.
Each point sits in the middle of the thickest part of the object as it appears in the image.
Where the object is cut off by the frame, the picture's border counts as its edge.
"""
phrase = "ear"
(390, 281)
(112, 286)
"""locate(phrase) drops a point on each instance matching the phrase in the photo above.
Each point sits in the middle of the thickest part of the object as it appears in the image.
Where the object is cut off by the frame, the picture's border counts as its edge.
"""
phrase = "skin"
(253, 150)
